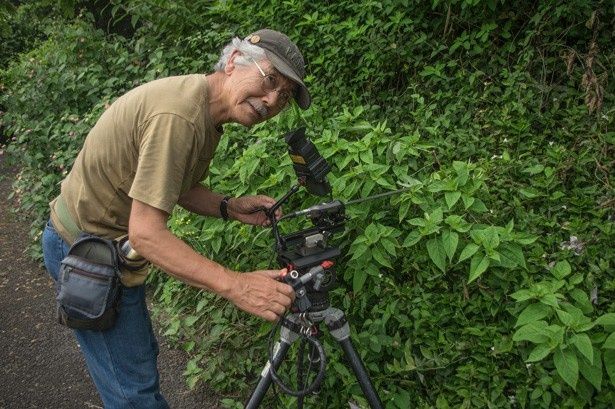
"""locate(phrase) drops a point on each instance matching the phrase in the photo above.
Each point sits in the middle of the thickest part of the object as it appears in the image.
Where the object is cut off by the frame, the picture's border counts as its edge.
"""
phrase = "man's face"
(251, 97)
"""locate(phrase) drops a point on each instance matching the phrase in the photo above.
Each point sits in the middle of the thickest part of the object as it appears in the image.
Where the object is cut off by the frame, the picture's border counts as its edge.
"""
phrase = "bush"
(489, 282)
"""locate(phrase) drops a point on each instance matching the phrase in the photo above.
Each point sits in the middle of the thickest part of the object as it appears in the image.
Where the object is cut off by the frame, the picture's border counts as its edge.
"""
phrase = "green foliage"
(20, 28)
(489, 282)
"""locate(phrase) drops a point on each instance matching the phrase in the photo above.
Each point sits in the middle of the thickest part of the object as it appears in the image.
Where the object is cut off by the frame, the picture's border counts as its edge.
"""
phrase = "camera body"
(305, 250)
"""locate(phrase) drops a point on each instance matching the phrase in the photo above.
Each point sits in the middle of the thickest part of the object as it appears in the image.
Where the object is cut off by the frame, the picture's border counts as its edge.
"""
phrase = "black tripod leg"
(340, 330)
(265, 380)
(361, 374)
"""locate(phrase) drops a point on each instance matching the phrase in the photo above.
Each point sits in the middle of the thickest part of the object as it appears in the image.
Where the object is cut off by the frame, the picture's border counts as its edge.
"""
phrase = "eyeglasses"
(269, 83)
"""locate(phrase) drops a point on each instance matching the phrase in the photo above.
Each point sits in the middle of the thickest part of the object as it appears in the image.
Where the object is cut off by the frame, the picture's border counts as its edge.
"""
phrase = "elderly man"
(148, 152)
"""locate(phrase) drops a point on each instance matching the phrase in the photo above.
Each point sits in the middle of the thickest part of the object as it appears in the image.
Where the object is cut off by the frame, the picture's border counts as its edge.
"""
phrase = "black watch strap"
(224, 207)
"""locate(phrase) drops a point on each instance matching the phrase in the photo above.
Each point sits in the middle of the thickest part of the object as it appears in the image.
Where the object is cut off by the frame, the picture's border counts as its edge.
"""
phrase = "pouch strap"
(65, 218)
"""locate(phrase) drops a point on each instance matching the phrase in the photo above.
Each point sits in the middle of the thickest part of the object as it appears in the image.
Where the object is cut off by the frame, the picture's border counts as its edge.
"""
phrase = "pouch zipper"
(88, 274)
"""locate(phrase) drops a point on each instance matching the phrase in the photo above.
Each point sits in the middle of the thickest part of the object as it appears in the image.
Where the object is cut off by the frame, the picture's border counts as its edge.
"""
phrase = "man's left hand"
(251, 209)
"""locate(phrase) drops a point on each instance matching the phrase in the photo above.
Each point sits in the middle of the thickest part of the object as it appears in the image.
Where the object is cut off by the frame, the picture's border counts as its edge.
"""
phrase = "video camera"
(306, 253)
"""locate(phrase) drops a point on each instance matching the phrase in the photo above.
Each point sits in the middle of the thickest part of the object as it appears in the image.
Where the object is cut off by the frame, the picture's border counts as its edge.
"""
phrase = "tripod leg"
(288, 335)
(337, 324)
(265, 380)
(361, 374)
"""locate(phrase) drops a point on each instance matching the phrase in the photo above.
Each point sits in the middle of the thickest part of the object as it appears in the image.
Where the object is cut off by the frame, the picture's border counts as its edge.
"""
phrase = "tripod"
(292, 326)
(308, 260)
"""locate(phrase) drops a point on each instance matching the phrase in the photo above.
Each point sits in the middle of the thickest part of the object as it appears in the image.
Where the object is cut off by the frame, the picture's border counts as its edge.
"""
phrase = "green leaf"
(565, 317)
(463, 172)
(403, 210)
(458, 223)
(436, 186)
(435, 216)
(567, 366)
(610, 342)
(358, 280)
(609, 364)
(359, 251)
(533, 312)
(561, 269)
(173, 328)
(468, 251)
(367, 156)
(525, 239)
(381, 258)
(371, 232)
(417, 221)
(533, 170)
(478, 206)
(202, 303)
(593, 373)
(450, 239)
(607, 321)
(190, 320)
(535, 332)
(522, 295)
(584, 345)
(437, 253)
(134, 20)
(389, 246)
(550, 299)
(530, 193)
(441, 403)
(400, 399)
(467, 201)
(451, 198)
(367, 188)
(512, 253)
(556, 333)
(478, 265)
(539, 353)
(582, 300)
(413, 238)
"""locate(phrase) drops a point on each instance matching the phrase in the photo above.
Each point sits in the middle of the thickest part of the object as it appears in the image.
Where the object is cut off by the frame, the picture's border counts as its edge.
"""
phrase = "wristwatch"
(223, 207)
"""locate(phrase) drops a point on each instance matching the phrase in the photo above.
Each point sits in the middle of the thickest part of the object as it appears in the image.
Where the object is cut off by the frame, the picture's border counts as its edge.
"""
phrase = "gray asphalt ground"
(40, 362)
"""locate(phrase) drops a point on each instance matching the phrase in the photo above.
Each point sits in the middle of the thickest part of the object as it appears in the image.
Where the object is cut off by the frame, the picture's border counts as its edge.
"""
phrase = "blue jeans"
(122, 361)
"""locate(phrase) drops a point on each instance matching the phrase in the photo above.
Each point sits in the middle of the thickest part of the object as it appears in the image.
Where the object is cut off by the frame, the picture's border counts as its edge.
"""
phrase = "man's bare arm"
(256, 292)
(201, 200)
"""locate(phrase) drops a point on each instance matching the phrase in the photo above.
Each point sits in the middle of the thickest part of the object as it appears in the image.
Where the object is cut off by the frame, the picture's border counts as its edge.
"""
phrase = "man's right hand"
(260, 294)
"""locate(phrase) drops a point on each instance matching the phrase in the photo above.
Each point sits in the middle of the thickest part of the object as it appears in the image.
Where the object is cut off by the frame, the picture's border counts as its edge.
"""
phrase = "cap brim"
(303, 95)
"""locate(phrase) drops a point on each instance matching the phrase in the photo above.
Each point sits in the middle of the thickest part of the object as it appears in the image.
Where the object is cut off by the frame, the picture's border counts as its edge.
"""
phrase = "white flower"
(573, 244)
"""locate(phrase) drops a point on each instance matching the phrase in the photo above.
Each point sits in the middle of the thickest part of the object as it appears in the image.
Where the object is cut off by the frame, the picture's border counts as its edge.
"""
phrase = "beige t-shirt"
(152, 144)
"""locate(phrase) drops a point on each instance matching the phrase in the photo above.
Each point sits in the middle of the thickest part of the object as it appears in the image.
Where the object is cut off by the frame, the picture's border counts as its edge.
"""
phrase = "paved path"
(40, 363)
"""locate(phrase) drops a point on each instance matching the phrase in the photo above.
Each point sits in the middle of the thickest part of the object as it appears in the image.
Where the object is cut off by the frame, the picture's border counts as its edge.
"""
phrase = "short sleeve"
(166, 152)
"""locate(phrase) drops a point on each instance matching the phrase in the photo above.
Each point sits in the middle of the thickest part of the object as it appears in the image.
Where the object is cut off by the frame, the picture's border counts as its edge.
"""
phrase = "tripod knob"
(318, 281)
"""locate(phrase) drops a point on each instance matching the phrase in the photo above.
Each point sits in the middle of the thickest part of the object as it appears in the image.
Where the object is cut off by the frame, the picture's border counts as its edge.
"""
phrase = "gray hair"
(249, 52)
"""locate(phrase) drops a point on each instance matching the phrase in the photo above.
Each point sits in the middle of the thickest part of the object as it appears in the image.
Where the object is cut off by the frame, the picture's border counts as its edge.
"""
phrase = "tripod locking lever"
(298, 283)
